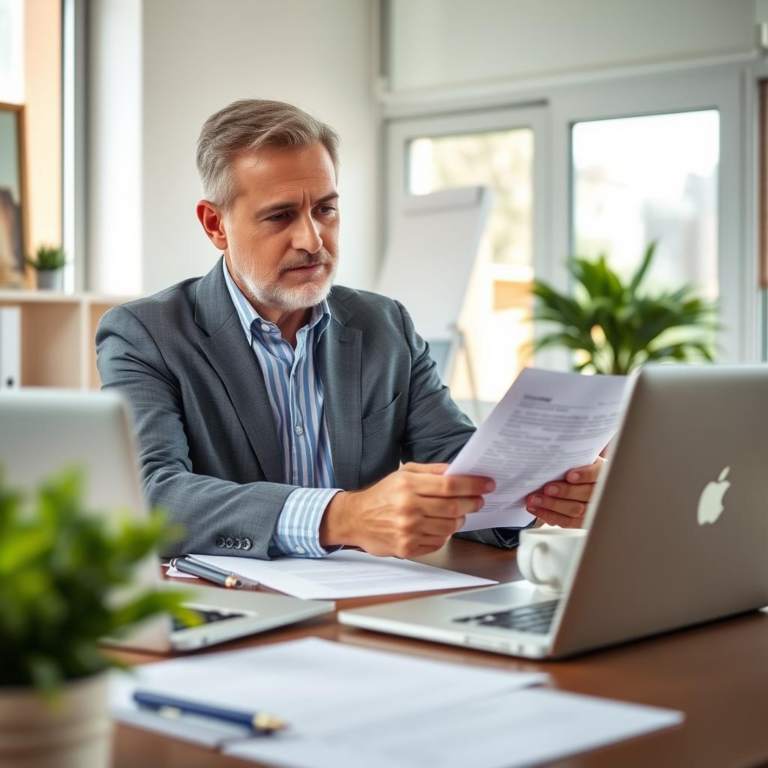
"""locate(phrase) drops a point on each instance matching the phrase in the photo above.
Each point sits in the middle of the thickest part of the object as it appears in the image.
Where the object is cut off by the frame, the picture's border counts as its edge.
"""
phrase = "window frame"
(74, 138)
(665, 94)
(401, 132)
(729, 87)
(757, 73)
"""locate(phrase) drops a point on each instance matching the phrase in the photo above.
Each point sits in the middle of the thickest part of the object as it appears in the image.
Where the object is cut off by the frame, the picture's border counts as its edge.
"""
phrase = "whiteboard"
(430, 254)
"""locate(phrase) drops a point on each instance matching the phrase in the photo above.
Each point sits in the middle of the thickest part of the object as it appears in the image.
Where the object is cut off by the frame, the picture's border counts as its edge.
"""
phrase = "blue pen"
(168, 706)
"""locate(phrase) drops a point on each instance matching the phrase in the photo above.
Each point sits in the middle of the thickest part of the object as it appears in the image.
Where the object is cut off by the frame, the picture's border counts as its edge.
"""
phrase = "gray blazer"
(207, 440)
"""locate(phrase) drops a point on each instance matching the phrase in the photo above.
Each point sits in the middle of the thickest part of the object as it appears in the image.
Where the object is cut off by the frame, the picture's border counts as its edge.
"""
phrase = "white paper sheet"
(319, 687)
(176, 573)
(546, 424)
(346, 573)
(519, 728)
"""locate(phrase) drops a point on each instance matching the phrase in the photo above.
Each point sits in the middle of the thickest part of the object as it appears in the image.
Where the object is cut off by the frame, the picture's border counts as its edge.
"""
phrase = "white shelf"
(54, 297)
(58, 336)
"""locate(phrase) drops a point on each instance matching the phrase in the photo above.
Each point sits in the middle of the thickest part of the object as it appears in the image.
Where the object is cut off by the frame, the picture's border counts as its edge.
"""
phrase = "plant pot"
(50, 279)
(73, 732)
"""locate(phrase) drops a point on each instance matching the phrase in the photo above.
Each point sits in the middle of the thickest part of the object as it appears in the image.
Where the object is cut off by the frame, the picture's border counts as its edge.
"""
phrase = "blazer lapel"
(228, 352)
(339, 358)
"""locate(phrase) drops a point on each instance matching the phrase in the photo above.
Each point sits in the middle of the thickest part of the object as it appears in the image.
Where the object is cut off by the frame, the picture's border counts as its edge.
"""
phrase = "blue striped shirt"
(296, 396)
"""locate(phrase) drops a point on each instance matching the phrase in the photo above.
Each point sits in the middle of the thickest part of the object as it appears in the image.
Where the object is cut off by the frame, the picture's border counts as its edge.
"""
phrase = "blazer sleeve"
(436, 428)
(205, 508)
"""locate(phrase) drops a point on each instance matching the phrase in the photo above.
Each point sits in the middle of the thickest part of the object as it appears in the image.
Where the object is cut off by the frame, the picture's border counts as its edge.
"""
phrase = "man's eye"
(326, 210)
(278, 217)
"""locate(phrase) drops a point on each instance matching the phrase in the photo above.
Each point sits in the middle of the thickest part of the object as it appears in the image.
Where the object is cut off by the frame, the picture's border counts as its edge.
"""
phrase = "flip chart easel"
(428, 262)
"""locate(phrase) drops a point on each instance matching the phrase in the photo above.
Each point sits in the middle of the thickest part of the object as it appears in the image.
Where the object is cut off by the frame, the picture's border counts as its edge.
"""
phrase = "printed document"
(509, 730)
(346, 573)
(546, 424)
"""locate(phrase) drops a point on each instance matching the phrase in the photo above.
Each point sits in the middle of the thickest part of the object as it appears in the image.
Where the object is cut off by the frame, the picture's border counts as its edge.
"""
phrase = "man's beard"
(291, 298)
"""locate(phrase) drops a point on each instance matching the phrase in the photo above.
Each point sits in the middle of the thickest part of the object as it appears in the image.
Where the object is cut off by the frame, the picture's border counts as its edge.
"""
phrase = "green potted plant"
(49, 263)
(61, 571)
(615, 327)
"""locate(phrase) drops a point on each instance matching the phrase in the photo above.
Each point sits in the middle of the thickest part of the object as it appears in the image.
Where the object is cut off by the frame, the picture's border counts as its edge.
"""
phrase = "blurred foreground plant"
(60, 569)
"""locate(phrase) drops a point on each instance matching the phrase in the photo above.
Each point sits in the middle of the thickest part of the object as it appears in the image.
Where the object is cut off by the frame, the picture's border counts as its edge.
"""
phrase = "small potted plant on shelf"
(49, 263)
(61, 569)
(615, 327)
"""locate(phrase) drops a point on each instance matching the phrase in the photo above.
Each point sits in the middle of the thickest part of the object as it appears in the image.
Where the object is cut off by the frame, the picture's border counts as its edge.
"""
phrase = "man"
(272, 414)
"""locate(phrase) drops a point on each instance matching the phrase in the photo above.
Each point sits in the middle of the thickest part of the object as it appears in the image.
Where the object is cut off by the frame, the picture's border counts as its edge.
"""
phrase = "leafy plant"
(60, 568)
(48, 258)
(616, 328)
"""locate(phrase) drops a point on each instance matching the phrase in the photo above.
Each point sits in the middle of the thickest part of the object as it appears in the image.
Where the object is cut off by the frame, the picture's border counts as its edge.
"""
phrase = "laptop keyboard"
(207, 616)
(536, 618)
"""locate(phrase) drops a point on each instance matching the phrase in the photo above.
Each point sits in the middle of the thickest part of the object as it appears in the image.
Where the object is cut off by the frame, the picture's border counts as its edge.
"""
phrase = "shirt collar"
(320, 317)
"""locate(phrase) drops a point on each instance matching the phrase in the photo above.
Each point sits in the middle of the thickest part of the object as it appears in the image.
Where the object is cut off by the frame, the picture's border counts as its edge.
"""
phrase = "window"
(655, 177)
(687, 180)
(502, 160)
(495, 150)
(615, 162)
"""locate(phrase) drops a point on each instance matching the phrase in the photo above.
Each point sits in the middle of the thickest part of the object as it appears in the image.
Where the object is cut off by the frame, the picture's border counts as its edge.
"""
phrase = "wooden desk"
(717, 675)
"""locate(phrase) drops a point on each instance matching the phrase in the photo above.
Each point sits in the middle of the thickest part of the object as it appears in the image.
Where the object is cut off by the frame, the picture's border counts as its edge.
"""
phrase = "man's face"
(283, 227)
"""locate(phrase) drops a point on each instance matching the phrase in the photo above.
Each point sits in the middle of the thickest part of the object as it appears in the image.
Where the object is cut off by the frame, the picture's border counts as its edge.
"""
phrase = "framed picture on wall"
(13, 203)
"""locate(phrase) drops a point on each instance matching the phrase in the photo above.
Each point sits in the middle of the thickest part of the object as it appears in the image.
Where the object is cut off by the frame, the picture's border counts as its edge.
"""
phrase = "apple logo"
(711, 501)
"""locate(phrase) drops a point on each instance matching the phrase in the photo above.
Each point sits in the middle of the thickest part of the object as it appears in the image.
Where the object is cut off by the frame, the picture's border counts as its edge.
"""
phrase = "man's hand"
(564, 502)
(409, 513)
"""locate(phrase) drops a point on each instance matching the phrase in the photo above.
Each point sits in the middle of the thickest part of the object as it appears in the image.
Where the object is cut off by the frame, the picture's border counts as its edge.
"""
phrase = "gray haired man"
(273, 416)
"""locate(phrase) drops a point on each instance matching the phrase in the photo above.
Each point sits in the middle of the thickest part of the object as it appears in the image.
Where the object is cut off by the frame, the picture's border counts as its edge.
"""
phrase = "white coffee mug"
(545, 555)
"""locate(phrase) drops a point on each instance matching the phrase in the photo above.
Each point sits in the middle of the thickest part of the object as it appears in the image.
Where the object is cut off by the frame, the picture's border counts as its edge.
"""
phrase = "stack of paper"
(318, 686)
(348, 707)
(346, 573)
(508, 730)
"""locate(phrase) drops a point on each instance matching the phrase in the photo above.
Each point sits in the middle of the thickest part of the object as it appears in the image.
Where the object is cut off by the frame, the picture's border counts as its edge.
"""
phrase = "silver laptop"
(45, 431)
(674, 540)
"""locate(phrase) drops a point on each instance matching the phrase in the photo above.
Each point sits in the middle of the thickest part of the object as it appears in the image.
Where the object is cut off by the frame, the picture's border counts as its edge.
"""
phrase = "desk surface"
(717, 675)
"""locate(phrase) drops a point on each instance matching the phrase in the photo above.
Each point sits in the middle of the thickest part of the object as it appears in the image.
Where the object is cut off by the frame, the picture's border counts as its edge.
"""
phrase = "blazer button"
(220, 542)
(247, 544)
(230, 542)
(238, 543)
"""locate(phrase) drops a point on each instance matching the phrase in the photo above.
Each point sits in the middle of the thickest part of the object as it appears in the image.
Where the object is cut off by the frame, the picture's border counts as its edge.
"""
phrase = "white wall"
(159, 68)
(197, 57)
(444, 43)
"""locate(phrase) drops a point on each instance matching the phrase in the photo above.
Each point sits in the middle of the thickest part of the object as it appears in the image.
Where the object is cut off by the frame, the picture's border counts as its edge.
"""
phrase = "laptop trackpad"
(504, 594)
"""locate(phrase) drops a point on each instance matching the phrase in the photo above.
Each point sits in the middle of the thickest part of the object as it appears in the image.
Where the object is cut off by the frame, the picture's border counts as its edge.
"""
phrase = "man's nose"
(305, 235)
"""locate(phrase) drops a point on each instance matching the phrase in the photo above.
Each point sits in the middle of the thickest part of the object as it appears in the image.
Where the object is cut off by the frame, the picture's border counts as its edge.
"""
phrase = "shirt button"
(238, 543)
(220, 541)
(299, 430)
(264, 327)
(246, 543)
(299, 550)
(230, 542)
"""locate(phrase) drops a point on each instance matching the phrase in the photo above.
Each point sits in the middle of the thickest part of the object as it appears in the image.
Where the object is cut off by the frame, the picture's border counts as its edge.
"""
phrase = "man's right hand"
(409, 513)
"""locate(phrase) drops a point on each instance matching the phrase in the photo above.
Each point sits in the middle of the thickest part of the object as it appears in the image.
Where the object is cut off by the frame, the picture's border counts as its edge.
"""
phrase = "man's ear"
(212, 219)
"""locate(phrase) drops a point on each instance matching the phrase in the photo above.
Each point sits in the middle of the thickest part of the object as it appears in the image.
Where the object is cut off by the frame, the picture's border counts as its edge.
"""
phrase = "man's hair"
(245, 126)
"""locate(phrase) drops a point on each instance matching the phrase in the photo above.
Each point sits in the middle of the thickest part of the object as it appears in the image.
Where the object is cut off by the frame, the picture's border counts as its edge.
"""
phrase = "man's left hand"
(564, 502)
